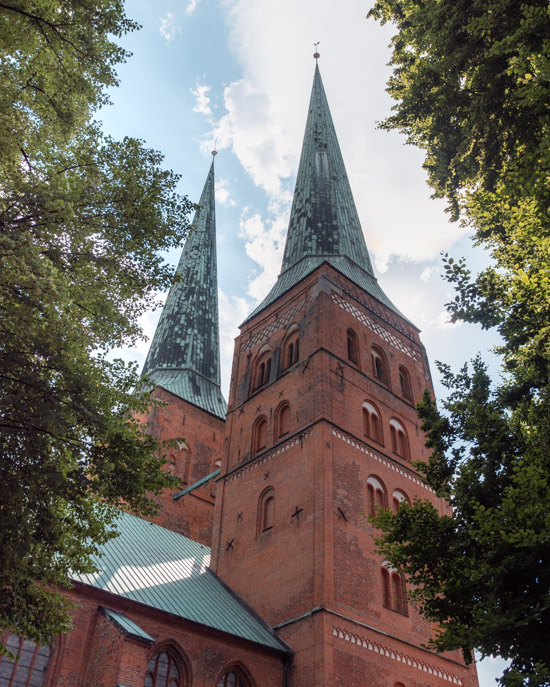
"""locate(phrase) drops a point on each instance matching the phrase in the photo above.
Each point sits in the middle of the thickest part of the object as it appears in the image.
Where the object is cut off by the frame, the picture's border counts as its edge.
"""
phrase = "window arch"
(30, 669)
(262, 370)
(399, 497)
(165, 669)
(353, 347)
(405, 383)
(372, 425)
(399, 439)
(283, 420)
(377, 495)
(291, 347)
(266, 510)
(259, 435)
(235, 677)
(379, 364)
(393, 587)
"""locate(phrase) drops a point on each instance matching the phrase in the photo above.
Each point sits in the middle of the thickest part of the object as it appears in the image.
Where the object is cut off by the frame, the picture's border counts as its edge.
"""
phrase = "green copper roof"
(184, 357)
(127, 626)
(324, 225)
(161, 569)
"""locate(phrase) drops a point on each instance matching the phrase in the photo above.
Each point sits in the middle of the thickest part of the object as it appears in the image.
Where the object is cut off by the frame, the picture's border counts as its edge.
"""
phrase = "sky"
(237, 75)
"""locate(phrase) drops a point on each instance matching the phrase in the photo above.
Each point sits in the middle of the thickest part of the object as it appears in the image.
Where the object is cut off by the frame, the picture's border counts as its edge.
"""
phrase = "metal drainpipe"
(287, 660)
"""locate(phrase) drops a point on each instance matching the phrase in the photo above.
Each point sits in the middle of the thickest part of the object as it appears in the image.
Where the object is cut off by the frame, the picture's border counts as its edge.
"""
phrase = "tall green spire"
(324, 225)
(184, 357)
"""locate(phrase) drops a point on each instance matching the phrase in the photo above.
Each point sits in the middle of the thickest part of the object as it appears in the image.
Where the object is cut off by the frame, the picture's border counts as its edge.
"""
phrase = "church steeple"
(184, 356)
(324, 225)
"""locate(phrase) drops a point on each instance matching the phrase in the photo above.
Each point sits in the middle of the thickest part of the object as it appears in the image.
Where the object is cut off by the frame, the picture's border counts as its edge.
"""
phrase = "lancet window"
(405, 383)
(259, 435)
(393, 587)
(283, 420)
(291, 347)
(262, 370)
(376, 495)
(399, 497)
(30, 669)
(164, 670)
(266, 510)
(353, 347)
(372, 426)
(233, 678)
(380, 365)
(399, 439)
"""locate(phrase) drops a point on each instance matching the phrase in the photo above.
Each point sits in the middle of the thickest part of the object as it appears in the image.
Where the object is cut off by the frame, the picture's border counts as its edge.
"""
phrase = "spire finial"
(316, 54)
(215, 152)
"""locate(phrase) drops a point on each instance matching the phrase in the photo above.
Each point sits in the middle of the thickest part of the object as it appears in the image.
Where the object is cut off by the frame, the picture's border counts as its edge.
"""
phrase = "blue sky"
(239, 72)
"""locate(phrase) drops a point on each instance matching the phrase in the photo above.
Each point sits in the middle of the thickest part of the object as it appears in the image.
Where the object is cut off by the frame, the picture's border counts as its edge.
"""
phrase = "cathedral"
(261, 570)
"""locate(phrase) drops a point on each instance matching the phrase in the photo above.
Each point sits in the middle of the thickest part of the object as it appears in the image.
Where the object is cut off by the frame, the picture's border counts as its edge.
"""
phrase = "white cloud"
(222, 193)
(168, 28)
(202, 101)
(428, 271)
(443, 321)
(233, 310)
(264, 243)
(191, 6)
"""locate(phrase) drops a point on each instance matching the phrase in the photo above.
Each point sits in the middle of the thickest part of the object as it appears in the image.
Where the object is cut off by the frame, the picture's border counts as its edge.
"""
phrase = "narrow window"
(259, 441)
(266, 510)
(393, 589)
(399, 440)
(232, 679)
(283, 420)
(30, 669)
(371, 422)
(291, 347)
(405, 383)
(379, 365)
(262, 371)
(399, 497)
(163, 671)
(353, 347)
(376, 495)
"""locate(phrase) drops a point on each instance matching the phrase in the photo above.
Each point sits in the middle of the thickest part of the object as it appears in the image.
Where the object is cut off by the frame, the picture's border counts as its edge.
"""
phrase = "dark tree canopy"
(471, 81)
(82, 220)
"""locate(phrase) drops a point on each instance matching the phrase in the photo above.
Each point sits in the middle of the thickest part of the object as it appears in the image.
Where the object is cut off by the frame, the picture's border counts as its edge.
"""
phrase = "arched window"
(405, 383)
(266, 510)
(262, 370)
(399, 497)
(30, 669)
(379, 365)
(376, 494)
(164, 670)
(399, 439)
(291, 347)
(259, 435)
(283, 420)
(234, 678)
(372, 426)
(393, 587)
(353, 347)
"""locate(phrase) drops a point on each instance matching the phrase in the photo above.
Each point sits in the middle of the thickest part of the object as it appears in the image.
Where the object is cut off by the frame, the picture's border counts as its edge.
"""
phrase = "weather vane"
(316, 54)
(215, 152)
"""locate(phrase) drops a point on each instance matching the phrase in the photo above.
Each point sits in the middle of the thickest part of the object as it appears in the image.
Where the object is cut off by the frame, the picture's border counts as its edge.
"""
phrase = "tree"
(82, 220)
(471, 82)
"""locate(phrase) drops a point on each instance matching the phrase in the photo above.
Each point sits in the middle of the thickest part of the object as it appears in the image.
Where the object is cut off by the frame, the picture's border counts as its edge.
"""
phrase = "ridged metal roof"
(165, 570)
(184, 356)
(324, 225)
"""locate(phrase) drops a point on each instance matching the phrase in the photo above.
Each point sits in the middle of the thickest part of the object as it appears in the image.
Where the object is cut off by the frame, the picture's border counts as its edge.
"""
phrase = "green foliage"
(471, 82)
(82, 221)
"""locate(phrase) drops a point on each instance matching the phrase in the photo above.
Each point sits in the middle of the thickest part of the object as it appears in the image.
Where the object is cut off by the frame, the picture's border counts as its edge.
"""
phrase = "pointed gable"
(184, 357)
(324, 224)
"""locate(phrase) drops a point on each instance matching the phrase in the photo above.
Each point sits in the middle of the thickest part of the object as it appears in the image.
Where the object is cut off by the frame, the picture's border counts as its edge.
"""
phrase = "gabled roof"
(154, 566)
(184, 357)
(324, 225)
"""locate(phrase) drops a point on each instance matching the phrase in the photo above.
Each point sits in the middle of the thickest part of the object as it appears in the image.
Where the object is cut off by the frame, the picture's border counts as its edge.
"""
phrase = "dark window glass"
(31, 668)
(162, 671)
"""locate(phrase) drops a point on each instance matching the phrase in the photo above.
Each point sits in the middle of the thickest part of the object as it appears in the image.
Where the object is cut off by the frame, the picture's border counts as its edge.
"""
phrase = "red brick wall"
(97, 654)
(191, 460)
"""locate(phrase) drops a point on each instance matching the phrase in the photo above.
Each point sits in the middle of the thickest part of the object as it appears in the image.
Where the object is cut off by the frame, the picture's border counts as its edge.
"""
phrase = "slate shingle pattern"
(165, 570)
(324, 225)
(184, 356)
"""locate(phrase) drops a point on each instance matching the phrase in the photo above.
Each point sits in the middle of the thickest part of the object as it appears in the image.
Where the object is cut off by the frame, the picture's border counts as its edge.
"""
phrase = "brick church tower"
(321, 430)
